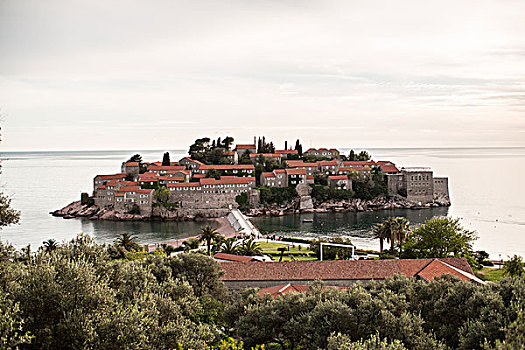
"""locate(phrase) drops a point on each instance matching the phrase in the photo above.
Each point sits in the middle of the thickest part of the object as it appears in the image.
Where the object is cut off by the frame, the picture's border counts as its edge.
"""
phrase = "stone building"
(190, 164)
(242, 149)
(130, 168)
(340, 182)
(162, 170)
(417, 185)
(295, 177)
(328, 167)
(256, 157)
(231, 157)
(322, 153)
(310, 168)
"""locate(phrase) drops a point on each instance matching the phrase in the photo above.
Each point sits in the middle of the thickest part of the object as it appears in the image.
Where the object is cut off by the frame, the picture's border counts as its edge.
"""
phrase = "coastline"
(78, 210)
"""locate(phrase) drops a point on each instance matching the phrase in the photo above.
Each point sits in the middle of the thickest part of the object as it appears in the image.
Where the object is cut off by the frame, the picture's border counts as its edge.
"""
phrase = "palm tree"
(229, 246)
(50, 245)
(250, 248)
(207, 234)
(397, 228)
(127, 241)
(381, 232)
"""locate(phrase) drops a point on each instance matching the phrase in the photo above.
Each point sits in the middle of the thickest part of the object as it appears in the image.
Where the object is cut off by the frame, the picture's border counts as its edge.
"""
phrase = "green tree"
(161, 194)
(199, 149)
(243, 201)
(166, 159)
(227, 142)
(128, 242)
(250, 247)
(351, 156)
(8, 215)
(514, 266)
(50, 245)
(207, 234)
(343, 342)
(363, 156)
(398, 227)
(381, 232)
(439, 237)
(135, 158)
(12, 333)
(230, 246)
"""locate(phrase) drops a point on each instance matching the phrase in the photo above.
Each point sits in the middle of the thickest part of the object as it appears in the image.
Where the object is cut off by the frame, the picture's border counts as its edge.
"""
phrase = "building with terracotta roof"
(190, 164)
(240, 275)
(328, 167)
(231, 157)
(256, 157)
(164, 169)
(243, 149)
(311, 168)
(130, 168)
(295, 177)
(340, 182)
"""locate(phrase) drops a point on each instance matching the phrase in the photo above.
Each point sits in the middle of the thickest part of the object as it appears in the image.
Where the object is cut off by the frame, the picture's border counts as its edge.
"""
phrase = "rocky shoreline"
(92, 212)
(351, 205)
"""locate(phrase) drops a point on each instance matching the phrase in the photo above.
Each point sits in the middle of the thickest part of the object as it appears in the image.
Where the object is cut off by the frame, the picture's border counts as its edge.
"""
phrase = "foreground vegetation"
(75, 296)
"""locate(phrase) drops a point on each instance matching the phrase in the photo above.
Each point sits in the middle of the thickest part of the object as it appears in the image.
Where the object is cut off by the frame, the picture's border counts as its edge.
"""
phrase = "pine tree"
(166, 159)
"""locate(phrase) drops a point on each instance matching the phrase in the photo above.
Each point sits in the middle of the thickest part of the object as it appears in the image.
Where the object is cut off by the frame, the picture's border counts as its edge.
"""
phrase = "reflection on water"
(356, 225)
(145, 231)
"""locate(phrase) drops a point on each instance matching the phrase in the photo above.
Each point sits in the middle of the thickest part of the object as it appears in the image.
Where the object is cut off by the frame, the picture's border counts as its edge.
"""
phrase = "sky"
(158, 74)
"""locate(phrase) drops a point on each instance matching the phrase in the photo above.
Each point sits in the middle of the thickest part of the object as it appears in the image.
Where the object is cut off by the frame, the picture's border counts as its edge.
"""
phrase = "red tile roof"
(334, 270)
(185, 172)
(232, 257)
(328, 162)
(309, 177)
(145, 190)
(438, 267)
(132, 164)
(171, 178)
(287, 151)
(101, 187)
(389, 169)
(111, 177)
(338, 177)
(295, 163)
(295, 171)
(129, 189)
(245, 147)
(199, 176)
(268, 174)
(228, 167)
(279, 171)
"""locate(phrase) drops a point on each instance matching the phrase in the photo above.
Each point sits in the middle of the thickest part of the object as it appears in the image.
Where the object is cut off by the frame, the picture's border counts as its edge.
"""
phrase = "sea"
(486, 187)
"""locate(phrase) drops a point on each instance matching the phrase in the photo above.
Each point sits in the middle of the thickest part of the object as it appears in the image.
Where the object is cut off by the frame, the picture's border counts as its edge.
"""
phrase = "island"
(258, 179)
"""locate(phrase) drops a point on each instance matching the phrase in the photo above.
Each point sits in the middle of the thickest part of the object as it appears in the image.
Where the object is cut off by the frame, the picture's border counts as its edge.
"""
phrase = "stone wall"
(441, 187)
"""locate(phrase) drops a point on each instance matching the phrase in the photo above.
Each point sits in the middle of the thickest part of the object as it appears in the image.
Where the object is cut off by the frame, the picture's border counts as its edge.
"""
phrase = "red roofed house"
(295, 177)
(231, 156)
(328, 167)
(128, 197)
(341, 182)
(243, 149)
(311, 168)
(240, 275)
(256, 157)
(322, 153)
(130, 168)
(190, 164)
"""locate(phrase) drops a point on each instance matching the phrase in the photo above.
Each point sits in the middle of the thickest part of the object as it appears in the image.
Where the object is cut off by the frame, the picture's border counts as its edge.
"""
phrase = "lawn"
(270, 248)
(490, 274)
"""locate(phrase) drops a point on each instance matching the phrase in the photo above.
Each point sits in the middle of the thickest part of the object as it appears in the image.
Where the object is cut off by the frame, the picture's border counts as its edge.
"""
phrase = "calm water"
(486, 189)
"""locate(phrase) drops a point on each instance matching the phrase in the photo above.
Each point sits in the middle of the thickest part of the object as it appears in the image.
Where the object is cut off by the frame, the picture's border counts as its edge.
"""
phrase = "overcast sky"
(126, 74)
